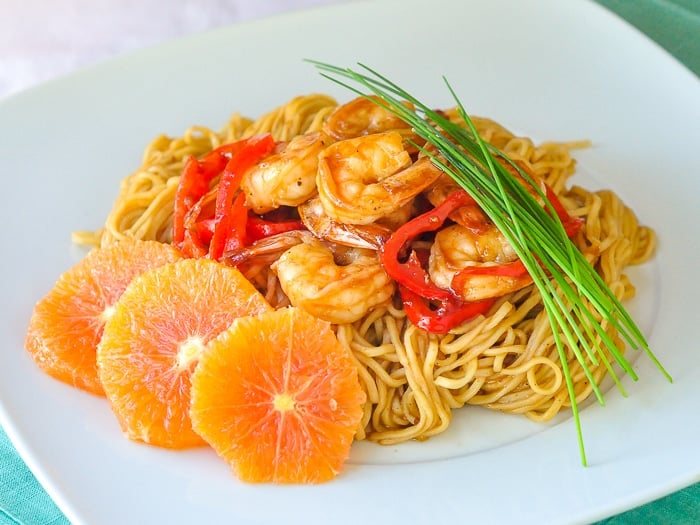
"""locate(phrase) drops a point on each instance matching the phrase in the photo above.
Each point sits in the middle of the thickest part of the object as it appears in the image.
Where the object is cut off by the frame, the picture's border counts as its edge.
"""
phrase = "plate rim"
(14, 433)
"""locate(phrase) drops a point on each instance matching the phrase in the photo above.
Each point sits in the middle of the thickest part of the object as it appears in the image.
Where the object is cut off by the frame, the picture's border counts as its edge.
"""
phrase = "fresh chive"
(573, 294)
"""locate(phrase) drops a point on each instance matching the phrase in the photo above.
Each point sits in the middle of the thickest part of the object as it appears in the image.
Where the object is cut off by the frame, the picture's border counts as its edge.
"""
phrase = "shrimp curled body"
(363, 116)
(338, 293)
(456, 248)
(470, 216)
(363, 179)
(287, 177)
(370, 236)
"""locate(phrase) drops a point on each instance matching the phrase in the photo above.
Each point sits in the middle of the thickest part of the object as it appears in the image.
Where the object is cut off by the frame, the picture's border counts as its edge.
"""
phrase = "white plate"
(550, 69)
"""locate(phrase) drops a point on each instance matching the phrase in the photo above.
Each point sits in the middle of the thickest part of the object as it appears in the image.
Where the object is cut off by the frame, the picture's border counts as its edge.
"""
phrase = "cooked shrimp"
(398, 217)
(267, 250)
(457, 247)
(368, 236)
(361, 116)
(470, 216)
(286, 178)
(338, 293)
(363, 179)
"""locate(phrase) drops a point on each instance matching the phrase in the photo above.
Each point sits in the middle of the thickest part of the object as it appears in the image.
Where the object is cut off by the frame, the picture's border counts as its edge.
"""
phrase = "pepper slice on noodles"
(442, 317)
(258, 228)
(192, 231)
(194, 183)
(427, 305)
(231, 213)
(410, 273)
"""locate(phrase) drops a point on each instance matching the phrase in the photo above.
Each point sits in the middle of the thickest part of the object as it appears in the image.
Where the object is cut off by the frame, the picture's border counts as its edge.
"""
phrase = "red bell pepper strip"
(237, 219)
(192, 244)
(415, 286)
(258, 228)
(517, 269)
(448, 314)
(514, 270)
(410, 273)
(571, 224)
(511, 269)
(230, 220)
(194, 183)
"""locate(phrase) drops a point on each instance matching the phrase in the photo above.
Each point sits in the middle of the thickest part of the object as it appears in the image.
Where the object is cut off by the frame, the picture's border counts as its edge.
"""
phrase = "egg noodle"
(504, 360)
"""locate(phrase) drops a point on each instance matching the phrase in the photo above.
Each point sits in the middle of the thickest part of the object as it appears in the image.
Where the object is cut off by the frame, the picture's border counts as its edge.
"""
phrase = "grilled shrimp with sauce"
(368, 236)
(470, 216)
(337, 291)
(363, 179)
(287, 177)
(361, 116)
(456, 247)
(267, 250)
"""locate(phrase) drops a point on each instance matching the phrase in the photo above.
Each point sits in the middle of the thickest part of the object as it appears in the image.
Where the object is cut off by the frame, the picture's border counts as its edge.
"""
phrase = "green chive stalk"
(576, 299)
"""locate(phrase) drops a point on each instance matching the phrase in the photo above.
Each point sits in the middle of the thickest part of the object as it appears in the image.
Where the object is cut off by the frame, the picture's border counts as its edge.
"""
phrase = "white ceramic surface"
(548, 69)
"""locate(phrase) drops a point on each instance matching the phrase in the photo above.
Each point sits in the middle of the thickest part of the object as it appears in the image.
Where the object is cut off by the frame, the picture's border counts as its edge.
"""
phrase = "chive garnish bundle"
(577, 301)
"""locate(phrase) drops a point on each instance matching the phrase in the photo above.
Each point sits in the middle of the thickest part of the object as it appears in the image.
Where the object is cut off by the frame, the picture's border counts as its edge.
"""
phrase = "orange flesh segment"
(67, 323)
(152, 342)
(278, 397)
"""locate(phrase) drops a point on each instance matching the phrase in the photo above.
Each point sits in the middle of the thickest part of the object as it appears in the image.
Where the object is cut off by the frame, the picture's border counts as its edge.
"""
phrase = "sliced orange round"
(153, 340)
(67, 323)
(278, 397)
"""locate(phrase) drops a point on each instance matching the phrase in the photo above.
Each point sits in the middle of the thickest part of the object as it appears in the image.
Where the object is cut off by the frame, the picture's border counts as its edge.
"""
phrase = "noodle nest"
(505, 360)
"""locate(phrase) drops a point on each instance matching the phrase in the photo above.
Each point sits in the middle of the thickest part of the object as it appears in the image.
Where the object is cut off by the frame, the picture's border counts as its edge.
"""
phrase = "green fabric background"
(673, 24)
